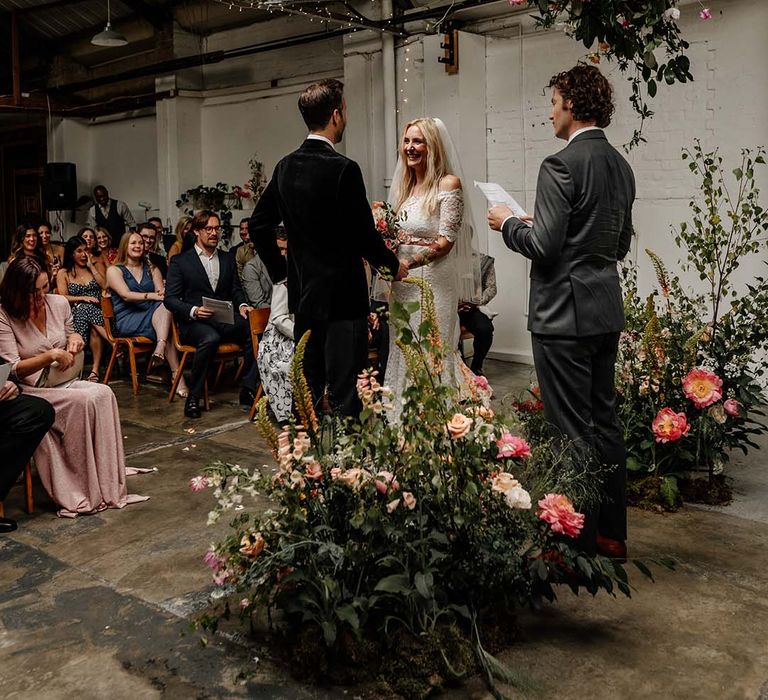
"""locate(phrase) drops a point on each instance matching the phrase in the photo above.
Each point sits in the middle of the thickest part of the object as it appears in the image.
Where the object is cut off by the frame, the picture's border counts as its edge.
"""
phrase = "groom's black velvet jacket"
(319, 195)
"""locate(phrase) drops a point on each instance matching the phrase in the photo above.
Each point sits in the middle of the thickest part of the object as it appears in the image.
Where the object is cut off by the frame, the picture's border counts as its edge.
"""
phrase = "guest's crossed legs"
(576, 376)
(206, 336)
(336, 353)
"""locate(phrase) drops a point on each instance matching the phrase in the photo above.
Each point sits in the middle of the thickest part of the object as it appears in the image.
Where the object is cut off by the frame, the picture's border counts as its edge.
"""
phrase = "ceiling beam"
(158, 16)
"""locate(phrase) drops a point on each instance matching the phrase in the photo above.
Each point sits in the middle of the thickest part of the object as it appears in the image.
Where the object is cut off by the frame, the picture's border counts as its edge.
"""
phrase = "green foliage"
(675, 330)
(385, 529)
(218, 198)
(642, 37)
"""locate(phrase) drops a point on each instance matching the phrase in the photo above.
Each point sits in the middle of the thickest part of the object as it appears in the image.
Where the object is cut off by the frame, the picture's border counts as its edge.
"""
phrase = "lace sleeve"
(451, 213)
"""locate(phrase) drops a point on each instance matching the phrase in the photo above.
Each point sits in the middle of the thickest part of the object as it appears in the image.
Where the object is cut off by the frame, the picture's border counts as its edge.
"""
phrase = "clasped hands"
(66, 358)
(498, 213)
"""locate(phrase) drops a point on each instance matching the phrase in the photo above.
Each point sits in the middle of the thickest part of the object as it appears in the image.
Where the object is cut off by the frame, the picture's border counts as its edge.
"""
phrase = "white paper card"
(496, 194)
(222, 310)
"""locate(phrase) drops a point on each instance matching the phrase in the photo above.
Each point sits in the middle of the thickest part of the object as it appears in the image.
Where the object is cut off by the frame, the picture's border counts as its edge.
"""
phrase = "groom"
(582, 225)
(319, 195)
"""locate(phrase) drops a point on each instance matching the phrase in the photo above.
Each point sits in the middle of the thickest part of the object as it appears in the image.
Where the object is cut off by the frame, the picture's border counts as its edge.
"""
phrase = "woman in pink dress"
(80, 460)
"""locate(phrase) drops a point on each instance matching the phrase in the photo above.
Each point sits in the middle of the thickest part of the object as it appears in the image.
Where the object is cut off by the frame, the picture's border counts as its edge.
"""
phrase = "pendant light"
(109, 37)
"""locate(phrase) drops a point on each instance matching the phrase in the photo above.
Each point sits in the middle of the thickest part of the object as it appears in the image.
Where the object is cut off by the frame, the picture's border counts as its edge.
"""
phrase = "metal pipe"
(390, 98)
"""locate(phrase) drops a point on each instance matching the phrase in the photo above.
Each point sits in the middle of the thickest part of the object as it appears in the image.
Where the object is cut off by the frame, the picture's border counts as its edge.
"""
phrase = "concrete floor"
(101, 606)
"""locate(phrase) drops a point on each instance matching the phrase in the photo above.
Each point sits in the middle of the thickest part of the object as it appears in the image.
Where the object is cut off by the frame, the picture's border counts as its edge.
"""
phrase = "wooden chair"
(224, 353)
(30, 503)
(257, 319)
(136, 345)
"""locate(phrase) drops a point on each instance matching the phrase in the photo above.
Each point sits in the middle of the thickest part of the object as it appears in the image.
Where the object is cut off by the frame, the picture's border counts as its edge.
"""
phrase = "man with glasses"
(149, 235)
(202, 271)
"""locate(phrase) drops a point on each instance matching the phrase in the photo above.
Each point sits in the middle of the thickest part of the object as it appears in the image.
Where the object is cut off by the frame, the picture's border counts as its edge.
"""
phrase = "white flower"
(672, 13)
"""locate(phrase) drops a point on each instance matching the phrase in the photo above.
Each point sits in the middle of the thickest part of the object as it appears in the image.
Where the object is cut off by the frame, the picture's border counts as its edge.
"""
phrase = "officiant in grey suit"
(581, 227)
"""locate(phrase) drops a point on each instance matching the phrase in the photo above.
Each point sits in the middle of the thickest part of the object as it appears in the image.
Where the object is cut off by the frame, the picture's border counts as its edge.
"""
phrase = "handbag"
(52, 376)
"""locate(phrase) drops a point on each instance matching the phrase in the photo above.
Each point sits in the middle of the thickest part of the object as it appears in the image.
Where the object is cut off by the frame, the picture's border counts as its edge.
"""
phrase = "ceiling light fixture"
(109, 37)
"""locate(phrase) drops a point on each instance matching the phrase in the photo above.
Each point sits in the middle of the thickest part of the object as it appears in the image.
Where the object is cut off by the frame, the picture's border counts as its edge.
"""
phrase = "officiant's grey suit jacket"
(582, 225)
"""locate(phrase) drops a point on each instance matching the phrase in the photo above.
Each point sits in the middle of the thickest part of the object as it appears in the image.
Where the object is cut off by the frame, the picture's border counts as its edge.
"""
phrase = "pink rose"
(335, 472)
(732, 407)
(213, 561)
(512, 446)
(409, 501)
(669, 426)
(558, 511)
(517, 3)
(198, 483)
(459, 426)
(313, 471)
(705, 13)
(481, 382)
(702, 387)
(385, 481)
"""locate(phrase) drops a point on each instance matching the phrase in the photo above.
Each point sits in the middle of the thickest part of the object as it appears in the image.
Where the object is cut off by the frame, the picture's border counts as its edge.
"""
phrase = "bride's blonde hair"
(436, 166)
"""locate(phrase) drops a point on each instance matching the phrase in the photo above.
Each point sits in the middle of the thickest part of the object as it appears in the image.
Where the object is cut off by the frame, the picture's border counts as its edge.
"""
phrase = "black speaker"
(59, 186)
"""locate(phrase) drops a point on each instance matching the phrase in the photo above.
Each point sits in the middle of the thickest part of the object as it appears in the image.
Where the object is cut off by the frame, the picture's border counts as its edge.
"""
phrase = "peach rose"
(409, 500)
(392, 505)
(335, 472)
(459, 426)
(509, 487)
(669, 426)
(702, 387)
(718, 413)
(354, 478)
(313, 470)
(252, 544)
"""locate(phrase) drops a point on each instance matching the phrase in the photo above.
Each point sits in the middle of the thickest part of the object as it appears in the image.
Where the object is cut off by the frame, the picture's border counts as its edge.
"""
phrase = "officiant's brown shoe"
(614, 549)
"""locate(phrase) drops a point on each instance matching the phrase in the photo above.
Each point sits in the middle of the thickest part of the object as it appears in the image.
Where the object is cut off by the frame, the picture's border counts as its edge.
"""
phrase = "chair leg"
(177, 378)
(2, 510)
(206, 403)
(111, 364)
(219, 370)
(28, 487)
(239, 372)
(134, 371)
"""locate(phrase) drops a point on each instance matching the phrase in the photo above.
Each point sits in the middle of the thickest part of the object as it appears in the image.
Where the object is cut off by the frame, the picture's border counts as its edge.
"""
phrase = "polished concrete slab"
(101, 606)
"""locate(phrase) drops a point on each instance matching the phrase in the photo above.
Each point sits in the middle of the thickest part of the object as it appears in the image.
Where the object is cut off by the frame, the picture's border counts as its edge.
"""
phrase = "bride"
(435, 243)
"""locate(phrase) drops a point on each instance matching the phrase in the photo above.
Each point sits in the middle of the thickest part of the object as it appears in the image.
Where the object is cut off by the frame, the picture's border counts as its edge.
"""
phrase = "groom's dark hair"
(589, 91)
(318, 102)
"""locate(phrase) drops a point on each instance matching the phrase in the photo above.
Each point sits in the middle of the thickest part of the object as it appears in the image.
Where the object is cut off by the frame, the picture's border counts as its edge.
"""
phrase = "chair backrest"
(258, 320)
(108, 312)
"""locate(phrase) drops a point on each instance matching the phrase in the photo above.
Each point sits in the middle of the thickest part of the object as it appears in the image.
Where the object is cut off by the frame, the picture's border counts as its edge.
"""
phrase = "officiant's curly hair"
(319, 101)
(589, 91)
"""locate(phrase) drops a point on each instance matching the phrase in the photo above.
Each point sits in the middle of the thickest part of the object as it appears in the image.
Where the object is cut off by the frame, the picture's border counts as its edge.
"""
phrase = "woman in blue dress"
(81, 282)
(137, 299)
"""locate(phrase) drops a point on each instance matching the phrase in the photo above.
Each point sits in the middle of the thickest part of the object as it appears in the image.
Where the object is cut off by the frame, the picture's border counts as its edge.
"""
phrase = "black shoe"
(7, 525)
(246, 397)
(192, 408)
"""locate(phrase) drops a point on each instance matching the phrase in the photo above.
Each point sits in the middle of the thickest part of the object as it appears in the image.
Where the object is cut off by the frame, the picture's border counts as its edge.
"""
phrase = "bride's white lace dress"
(442, 276)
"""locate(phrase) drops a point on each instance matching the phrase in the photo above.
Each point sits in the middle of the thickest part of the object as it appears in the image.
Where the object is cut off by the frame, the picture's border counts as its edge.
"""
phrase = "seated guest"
(276, 348)
(256, 281)
(27, 242)
(149, 235)
(198, 272)
(183, 226)
(80, 461)
(243, 255)
(137, 299)
(80, 282)
(24, 420)
(157, 223)
(54, 252)
(104, 243)
(478, 320)
(244, 237)
(98, 260)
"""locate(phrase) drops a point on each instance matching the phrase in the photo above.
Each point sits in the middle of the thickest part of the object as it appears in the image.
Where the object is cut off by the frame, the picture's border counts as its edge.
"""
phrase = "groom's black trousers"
(576, 377)
(336, 353)
(24, 421)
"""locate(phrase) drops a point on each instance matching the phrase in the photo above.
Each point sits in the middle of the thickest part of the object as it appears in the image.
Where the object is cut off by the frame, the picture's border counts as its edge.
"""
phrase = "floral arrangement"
(401, 532)
(216, 198)
(254, 186)
(688, 381)
(642, 37)
(388, 223)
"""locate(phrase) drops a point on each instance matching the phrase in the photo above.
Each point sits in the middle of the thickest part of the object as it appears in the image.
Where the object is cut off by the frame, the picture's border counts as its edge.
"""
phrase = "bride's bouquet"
(388, 223)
